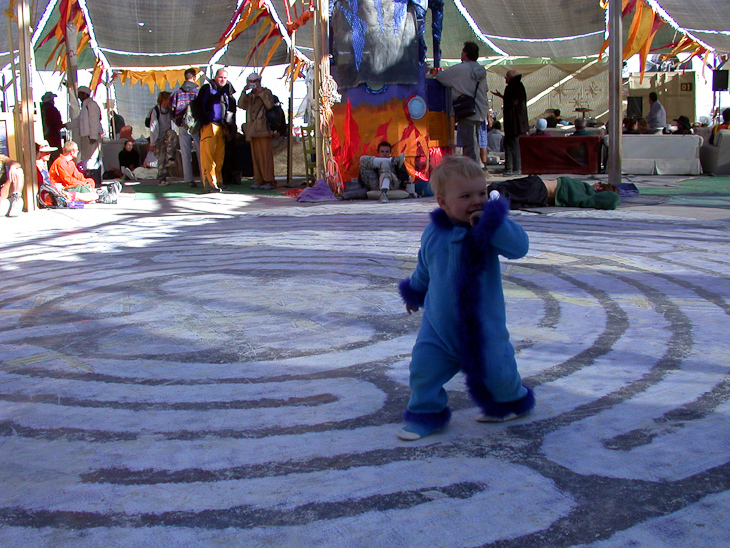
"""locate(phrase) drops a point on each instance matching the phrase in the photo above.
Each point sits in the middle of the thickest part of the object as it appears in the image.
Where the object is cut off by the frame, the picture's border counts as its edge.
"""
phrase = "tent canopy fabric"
(153, 34)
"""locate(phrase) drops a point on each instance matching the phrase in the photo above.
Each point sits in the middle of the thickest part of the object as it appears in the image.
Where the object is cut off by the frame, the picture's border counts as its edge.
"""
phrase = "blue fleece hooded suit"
(459, 283)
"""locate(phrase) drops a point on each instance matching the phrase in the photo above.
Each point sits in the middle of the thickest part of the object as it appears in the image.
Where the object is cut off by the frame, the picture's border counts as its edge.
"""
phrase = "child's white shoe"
(413, 431)
(486, 418)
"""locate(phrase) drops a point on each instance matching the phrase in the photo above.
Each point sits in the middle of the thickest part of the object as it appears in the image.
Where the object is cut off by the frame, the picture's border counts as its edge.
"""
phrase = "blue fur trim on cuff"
(495, 212)
(435, 420)
(414, 299)
(502, 409)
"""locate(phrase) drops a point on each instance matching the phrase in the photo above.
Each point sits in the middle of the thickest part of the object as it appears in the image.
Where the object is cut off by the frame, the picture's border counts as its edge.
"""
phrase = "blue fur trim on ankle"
(502, 409)
(410, 296)
(434, 420)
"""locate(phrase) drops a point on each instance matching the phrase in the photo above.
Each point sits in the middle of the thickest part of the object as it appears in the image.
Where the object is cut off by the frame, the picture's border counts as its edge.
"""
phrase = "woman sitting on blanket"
(532, 191)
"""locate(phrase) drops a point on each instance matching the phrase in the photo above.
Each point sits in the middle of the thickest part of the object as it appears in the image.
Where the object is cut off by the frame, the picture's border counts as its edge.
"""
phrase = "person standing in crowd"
(256, 100)
(88, 131)
(657, 117)
(515, 121)
(218, 112)
(179, 102)
(468, 78)
(52, 122)
(163, 138)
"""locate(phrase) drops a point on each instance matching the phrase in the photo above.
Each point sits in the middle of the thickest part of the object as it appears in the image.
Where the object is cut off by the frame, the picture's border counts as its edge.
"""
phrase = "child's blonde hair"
(451, 166)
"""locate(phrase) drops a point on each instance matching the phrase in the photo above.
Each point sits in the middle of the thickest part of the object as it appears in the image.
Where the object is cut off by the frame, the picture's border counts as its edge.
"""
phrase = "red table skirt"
(577, 155)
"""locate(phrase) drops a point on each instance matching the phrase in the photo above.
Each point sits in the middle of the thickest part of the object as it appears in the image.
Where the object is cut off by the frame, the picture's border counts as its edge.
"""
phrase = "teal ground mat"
(699, 192)
(144, 191)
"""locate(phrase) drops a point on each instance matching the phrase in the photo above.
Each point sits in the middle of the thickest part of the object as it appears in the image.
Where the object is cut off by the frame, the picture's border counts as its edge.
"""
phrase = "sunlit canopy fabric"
(152, 34)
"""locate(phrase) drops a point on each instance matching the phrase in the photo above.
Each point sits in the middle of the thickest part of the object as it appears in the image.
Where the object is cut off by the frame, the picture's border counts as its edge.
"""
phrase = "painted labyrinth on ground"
(239, 383)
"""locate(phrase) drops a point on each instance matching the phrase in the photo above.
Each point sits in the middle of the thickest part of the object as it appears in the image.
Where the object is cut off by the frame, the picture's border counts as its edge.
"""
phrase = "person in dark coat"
(515, 121)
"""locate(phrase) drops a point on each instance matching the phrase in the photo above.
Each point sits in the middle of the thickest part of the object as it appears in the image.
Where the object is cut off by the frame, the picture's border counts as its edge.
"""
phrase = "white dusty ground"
(230, 371)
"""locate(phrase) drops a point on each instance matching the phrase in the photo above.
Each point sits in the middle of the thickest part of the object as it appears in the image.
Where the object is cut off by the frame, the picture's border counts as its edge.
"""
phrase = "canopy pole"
(71, 78)
(290, 141)
(317, 83)
(615, 96)
(12, 63)
(26, 129)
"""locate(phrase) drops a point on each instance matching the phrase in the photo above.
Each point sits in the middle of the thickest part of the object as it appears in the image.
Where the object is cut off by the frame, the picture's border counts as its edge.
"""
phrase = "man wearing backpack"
(256, 100)
(179, 102)
(217, 124)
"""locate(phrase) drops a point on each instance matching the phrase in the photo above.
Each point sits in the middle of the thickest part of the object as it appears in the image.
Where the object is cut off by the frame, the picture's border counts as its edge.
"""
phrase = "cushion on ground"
(715, 157)
(661, 154)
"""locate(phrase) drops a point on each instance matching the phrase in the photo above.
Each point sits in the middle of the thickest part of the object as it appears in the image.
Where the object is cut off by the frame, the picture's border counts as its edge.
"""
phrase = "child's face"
(383, 152)
(463, 197)
(128, 146)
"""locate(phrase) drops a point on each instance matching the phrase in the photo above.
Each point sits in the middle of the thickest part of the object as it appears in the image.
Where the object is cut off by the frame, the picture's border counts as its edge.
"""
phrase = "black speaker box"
(719, 80)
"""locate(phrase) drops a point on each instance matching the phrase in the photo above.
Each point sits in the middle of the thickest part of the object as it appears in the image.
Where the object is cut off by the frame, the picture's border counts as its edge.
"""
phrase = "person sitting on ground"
(43, 152)
(725, 125)
(629, 124)
(129, 160)
(554, 120)
(642, 127)
(11, 187)
(458, 283)
(64, 172)
(384, 174)
(126, 133)
(495, 138)
(580, 128)
(684, 127)
(533, 191)
(540, 127)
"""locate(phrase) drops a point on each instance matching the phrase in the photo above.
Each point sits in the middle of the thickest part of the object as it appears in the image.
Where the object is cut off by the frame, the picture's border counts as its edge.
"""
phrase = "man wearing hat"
(256, 100)
(88, 132)
(52, 122)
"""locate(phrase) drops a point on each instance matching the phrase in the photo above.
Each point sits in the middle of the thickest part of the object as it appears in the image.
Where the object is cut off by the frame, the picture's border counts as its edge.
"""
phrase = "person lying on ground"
(533, 191)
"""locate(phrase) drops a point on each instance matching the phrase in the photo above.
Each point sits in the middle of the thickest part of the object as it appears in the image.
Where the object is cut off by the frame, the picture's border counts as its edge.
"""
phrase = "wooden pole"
(290, 139)
(615, 96)
(26, 129)
(324, 71)
(316, 45)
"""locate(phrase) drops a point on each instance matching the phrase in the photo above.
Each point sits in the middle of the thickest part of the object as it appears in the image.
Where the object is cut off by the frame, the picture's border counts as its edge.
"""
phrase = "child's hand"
(411, 310)
(474, 217)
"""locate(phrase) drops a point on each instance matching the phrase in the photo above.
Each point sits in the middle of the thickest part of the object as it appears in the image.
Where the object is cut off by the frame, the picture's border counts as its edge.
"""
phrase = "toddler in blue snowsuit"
(459, 284)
